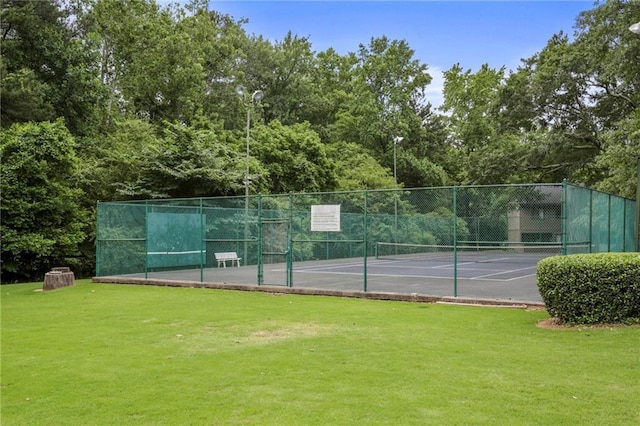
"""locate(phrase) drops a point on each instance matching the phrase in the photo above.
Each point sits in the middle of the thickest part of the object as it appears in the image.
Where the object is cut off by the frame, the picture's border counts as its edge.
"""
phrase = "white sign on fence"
(325, 218)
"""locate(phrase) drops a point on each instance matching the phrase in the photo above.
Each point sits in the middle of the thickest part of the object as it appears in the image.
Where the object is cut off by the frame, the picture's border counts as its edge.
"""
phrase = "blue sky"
(442, 33)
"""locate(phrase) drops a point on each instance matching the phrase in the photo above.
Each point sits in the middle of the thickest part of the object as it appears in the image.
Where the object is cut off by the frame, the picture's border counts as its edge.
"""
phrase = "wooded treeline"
(124, 99)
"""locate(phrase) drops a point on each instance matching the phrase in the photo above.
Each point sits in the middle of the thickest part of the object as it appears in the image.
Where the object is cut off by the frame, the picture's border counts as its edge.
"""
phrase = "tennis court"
(483, 274)
(496, 273)
(472, 241)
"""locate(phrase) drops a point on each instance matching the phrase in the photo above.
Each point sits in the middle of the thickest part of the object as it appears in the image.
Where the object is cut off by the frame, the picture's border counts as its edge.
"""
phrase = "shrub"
(591, 288)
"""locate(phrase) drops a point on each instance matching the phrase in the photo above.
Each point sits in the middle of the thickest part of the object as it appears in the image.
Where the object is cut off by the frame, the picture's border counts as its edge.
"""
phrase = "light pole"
(248, 103)
(635, 28)
(396, 141)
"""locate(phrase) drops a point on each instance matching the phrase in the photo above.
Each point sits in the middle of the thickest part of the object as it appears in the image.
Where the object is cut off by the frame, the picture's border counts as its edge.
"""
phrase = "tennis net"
(525, 253)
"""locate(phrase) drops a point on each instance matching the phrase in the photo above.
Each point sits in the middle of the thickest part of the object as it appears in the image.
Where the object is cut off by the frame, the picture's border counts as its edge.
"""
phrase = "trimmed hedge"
(602, 288)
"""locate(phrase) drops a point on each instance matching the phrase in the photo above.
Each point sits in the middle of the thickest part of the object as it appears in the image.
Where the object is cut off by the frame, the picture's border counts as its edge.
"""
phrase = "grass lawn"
(110, 354)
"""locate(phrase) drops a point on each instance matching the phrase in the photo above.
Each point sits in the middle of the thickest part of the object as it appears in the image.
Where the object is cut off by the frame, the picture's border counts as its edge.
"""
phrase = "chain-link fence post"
(365, 239)
(563, 216)
(455, 241)
(146, 240)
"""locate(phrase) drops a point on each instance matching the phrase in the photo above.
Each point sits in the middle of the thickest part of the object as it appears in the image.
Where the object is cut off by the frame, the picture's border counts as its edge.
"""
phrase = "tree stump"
(58, 277)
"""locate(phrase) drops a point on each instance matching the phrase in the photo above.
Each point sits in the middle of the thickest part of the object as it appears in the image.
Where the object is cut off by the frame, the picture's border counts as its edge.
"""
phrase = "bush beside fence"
(591, 288)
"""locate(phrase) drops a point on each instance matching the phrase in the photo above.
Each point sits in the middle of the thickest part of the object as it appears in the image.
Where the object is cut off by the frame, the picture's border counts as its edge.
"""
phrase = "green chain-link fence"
(480, 241)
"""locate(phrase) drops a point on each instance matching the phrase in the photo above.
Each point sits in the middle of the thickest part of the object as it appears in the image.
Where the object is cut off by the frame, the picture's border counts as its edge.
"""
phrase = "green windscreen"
(158, 235)
(174, 239)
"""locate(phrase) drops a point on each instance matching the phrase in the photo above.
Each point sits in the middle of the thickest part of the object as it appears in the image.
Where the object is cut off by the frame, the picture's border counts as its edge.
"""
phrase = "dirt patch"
(287, 331)
(555, 323)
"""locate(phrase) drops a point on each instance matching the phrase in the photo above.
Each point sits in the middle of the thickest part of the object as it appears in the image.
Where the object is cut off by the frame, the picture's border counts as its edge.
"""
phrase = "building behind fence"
(146, 238)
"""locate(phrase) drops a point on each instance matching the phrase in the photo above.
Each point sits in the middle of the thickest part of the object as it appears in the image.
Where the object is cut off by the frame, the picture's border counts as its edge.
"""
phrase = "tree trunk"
(58, 277)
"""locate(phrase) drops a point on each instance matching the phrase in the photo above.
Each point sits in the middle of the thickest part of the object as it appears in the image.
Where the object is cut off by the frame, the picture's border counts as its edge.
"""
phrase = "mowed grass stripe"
(111, 354)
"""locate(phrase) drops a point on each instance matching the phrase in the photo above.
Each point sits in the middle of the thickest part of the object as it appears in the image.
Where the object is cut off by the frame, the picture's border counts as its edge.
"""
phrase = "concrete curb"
(403, 297)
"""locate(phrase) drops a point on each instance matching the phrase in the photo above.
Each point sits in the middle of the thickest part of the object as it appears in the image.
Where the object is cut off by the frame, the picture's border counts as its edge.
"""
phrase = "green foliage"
(116, 159)
(417, 172)
(591, 288)
(295, 158)
(23, 97)
(50, 72)
(186, 163)
(617, 163)
(118, 71)
(283, 70)
(469, 97)
(42, 222)
(356, 169)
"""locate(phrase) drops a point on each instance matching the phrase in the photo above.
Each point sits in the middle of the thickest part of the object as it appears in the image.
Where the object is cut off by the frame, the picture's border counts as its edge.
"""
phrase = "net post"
(455, 241)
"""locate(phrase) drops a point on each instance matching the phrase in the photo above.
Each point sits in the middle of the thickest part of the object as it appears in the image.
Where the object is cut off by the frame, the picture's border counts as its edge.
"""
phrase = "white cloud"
(434, 90)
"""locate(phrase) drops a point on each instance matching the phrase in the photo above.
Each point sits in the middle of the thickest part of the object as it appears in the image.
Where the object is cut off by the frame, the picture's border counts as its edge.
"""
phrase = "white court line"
(437, 277)
(324, 269)
(512, 279)
(176, 252)
(330, 265)
(504, 272)
(445, 267)
(387, 266)
(372, 275)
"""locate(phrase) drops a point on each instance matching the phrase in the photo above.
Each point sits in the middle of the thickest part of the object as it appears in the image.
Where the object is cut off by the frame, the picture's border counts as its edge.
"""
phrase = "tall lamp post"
(396, 141)
(248, 103)
(635, 28)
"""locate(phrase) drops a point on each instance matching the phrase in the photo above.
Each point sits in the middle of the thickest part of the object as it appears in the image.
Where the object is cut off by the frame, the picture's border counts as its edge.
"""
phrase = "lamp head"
(257, 96)
(240, 90)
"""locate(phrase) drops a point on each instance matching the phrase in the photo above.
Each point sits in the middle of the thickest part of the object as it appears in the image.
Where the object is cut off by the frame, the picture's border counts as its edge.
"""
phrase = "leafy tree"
(295, 158)
(618, 161)
(389, 87)
(582, 88)
(187, 163)
(132, 35)
(560, 87)
(47, 70)
(470, 97)
(419, 172)
(23, 97)
(506, 160)
(283, 71)
(164, 63)
(386, 98)
(42, 222)
(332, 79)
(110, 162)
(356, 169)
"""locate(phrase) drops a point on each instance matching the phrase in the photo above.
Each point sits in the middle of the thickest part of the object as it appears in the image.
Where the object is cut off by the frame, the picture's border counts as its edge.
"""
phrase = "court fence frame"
(150, 236)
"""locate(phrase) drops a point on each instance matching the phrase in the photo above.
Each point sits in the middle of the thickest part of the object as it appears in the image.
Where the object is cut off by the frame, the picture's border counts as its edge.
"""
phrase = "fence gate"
(274, 251)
